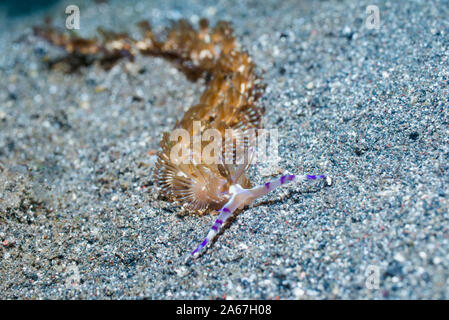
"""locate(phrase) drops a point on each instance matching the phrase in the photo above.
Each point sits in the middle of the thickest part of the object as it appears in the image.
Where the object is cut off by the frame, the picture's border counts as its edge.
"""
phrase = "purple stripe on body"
(291, 177)
(267, 185)
(225, 209)
(310, 177)
(322, 176)
(218, 221)
(199, 247)
(283, 179)
(215, 227)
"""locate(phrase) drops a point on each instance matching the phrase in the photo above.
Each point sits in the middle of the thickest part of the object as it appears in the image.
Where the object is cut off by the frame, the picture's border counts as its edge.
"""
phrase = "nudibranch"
(229, 102)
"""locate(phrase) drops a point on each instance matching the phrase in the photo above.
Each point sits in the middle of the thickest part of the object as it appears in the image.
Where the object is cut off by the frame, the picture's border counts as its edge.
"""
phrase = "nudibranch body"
(229, 102)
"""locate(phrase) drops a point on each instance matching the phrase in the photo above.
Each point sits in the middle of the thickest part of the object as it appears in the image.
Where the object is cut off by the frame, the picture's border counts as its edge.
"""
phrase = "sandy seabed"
(80, 216)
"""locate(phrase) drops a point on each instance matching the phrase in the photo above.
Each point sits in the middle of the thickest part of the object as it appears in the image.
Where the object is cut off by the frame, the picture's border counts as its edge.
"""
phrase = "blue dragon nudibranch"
(229, 102)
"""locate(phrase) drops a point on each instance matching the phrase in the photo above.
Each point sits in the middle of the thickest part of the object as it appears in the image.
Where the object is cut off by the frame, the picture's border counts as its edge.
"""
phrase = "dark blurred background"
(20, 8)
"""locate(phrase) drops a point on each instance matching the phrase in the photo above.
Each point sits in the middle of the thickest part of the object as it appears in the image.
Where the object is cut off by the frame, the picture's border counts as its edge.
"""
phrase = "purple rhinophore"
(203, 243)
(215, 228)
(218, 221)
(225, 209)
